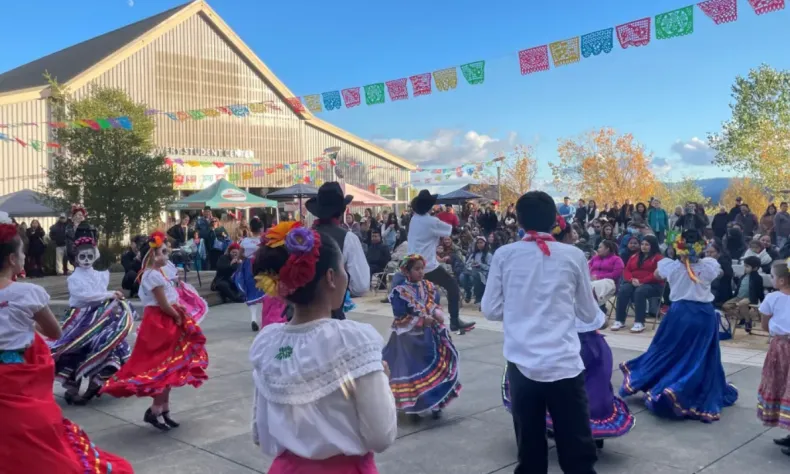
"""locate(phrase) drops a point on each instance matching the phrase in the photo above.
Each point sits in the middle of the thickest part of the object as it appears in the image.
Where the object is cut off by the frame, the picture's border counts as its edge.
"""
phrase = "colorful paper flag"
(598, 42)
(351, 97)
(720, 11)
(104, 123)
(296, 104)
(21, 142)
(313, 103)
(635, 33)
(171, 115)
(766, 6)
(420, 84)
(397, 89)
(332, 100)
(224, 110)
(374, 93)
(446, 79)
(676, 23)
(182, 115)
(565, 52)
(257, 108)
(474, 73)
(36, 145)
(240, 110)
(534, 59)
(196, 114)
(124, 122)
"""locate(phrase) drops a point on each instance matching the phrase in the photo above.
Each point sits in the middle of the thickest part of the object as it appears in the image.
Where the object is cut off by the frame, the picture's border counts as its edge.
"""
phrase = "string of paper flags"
(671, 24)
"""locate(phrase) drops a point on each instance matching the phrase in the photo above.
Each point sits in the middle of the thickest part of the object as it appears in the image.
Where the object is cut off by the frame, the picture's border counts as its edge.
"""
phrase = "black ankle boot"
(169, 421)
(461, 326)
(153, 420)
(255, 327)
(783, 441)
(599, 443)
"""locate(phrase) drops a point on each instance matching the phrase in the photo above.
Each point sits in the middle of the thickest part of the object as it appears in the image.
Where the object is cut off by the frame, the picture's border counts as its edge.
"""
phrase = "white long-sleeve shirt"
(356, 265)
(424, 234)
(539, 297)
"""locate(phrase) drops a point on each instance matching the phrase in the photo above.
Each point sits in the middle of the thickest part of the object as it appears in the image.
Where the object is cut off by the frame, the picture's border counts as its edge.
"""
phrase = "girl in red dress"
(34, 436)
(170, 348)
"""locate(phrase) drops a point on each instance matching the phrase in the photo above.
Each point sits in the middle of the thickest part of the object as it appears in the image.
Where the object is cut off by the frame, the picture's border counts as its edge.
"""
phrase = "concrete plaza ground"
(474, 437)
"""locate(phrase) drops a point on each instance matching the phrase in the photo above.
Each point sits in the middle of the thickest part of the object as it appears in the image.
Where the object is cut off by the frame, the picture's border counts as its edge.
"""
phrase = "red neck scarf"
(540, 238)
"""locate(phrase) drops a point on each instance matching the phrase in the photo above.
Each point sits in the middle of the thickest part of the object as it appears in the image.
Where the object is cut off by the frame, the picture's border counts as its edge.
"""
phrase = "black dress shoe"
(255, 327)
(169, 421)
(599, 443)
(461, 326)
(153, 420)
(783, 441)
(786, 451)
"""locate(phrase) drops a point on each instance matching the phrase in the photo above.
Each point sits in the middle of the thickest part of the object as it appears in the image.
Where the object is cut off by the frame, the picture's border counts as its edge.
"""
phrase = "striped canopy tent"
(222, 195)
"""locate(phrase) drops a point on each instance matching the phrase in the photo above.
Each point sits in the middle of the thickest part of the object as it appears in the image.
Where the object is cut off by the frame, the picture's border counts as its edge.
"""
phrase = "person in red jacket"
(639, 284)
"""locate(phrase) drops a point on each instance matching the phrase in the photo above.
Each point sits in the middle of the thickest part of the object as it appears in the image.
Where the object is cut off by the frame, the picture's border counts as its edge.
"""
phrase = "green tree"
(680, 193)
(113, 172)
(756, 139)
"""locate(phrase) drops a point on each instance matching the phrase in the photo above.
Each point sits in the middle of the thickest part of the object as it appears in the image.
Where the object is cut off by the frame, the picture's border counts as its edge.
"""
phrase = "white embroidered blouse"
(19, 302)
(300, 404)
(88, 287)
(153, 279)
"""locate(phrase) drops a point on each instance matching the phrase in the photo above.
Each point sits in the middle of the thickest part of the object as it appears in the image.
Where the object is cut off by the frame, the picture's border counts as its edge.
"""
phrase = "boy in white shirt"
(538, 287)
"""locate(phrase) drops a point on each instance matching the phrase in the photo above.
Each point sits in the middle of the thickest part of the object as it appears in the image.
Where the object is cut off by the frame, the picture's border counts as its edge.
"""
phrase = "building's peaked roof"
(67, 63)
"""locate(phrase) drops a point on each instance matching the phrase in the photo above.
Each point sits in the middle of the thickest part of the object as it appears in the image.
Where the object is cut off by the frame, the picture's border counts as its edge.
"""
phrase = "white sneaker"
(617, 325)
(638, 327)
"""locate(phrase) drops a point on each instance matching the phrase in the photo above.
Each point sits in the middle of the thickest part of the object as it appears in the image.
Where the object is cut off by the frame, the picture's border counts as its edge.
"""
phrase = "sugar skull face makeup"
(86, 257)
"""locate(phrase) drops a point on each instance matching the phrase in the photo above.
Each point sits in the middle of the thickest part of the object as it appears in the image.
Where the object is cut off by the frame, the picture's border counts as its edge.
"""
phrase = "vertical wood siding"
(22, 167)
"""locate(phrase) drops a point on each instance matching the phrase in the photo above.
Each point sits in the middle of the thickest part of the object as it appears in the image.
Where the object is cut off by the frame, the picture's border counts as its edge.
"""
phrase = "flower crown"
(404, 262)
(85, 241)
(684, 249)
(302, 245)
(8, 232)
(559, 226)
(157, 239)
(75, 208)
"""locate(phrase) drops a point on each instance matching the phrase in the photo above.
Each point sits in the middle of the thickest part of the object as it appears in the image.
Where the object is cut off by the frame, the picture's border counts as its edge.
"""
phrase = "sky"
(669, 94)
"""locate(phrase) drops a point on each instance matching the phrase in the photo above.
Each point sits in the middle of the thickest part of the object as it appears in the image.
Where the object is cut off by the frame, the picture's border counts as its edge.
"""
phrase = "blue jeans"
(470, 281)
(639, 295)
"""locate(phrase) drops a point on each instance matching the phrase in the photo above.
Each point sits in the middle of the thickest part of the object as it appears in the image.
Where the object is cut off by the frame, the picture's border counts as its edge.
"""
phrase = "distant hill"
(713, 188)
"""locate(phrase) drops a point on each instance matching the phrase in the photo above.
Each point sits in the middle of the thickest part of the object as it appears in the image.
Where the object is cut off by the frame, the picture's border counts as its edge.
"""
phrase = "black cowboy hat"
(329, 201)
(423, 202)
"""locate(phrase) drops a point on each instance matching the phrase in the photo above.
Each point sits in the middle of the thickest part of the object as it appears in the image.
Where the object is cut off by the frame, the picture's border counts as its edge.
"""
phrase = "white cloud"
(130, 3)
(449, 147)
(694, 152)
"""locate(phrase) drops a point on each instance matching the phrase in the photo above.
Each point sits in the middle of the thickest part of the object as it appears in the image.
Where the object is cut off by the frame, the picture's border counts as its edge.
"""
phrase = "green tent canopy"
(222, 195)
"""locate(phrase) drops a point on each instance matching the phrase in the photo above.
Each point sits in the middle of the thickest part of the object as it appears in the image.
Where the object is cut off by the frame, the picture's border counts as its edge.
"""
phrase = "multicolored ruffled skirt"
(93, 343)
(681, 372)
(165, 355)
(34, 436)
(609, 415)
(424, 369)
(773, 395)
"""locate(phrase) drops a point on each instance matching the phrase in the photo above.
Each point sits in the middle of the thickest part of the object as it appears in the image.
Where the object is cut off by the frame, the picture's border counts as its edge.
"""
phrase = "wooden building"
(187, 59)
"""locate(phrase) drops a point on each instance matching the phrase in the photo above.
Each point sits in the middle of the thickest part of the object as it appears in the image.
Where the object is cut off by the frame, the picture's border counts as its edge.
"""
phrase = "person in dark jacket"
(691, 221)
(736, 209)
(626, 212)
(721, 287)
(132, 263)
(720, 222)
(180, 232)
(35, 251)
(57, 234)
(223, 283)
(488, 221)
(79, 228)
(580, 217)
(750, 292)
(748, 221)
(378, 253)
(734, 242)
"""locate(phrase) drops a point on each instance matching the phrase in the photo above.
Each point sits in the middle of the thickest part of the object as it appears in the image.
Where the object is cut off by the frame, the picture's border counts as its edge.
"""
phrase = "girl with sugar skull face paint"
(93, 344)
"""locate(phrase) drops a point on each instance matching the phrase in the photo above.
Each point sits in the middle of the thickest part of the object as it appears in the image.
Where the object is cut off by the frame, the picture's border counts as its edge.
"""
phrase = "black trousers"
(566, 401)
(440, 277)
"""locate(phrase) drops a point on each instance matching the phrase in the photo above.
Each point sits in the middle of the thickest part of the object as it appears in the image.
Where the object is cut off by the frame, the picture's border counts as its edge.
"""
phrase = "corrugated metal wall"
(22, 167)
(193, 67)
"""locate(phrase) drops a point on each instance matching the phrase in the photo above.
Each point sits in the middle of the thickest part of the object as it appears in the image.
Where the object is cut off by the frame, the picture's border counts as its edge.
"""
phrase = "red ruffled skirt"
(34, 436)
(164, 355)
(289, 463)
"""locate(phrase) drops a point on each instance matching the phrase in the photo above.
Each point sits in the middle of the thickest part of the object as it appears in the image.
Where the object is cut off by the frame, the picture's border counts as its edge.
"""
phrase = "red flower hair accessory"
(303, 246)
(157, 239)
(7, 233)
(85, 241)
(75, 208)
(234, 246)
(559, 226)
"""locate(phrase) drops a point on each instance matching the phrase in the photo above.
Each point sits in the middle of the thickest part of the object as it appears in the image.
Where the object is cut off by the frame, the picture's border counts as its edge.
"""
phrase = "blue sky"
(666, 93)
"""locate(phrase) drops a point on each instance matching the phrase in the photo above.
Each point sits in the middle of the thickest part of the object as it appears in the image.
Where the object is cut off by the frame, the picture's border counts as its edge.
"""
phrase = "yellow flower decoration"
(275, 236)
(268, 283)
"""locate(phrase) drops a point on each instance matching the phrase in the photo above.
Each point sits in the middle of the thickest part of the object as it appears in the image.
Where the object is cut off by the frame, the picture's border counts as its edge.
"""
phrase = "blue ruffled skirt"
(245, 281)
(681, 372)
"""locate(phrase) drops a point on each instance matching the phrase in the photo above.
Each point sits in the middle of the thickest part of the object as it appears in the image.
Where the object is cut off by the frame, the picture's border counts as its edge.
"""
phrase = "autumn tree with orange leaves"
(519, 168)
(752, 193)
(605, 166)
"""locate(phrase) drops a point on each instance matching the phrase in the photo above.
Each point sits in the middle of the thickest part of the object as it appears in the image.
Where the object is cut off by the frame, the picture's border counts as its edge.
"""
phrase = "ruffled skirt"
(273, 311)
(93, 343)
(773, 395)
(165, 355)
(34, 436)
(681, 372)
(194, 304)
(609, 415)
(289, 463)
(424, 369)
(245, 281)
